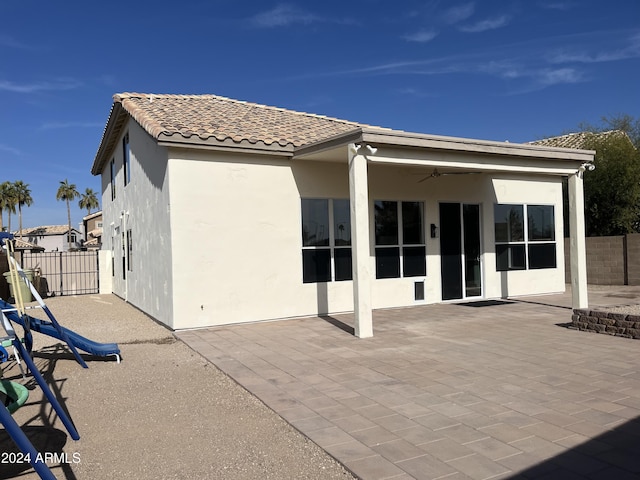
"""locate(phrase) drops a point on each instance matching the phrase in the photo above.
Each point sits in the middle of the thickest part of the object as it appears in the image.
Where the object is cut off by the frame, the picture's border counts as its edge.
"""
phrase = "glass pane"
(412, 228)
(344, 270)
(542, 255)
(510, 257)
(388, 262)
(473, 279)
(315, 222)
(316, 265)
(540, 222)
(414, 261)
(509, 223)
(341, 222)
(386, 218)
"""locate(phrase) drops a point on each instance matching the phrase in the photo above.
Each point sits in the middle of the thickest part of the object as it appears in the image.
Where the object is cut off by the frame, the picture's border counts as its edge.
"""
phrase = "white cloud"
(12, 150)
(548, 76)
(62, 84)
(459, 13)
(422, 36)
(631, 50)
(487, 24)
(283, 15)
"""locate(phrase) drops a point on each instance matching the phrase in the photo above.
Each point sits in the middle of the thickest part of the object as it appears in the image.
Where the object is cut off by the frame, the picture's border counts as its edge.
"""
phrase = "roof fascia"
(178, 141)
(465, 145)
(329, 144)
(114, 126)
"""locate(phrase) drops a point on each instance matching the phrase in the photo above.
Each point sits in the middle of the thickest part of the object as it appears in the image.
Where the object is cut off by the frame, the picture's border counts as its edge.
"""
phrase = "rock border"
(611, 323)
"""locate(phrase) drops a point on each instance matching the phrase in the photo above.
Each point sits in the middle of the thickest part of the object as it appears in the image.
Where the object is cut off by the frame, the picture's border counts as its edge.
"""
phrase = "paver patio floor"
(454, 391)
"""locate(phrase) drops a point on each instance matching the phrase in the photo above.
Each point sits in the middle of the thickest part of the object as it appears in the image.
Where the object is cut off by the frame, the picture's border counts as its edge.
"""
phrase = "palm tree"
(67, 192)
(88, 200)
(6, 193)
(10, 203)
(22, 197)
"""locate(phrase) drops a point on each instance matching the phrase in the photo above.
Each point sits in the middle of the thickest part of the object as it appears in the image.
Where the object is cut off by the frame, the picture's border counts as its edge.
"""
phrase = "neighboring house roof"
(95, 233)
(22, 245)
(92, 243)
(45, 230)
(93, 215)
(579, 140)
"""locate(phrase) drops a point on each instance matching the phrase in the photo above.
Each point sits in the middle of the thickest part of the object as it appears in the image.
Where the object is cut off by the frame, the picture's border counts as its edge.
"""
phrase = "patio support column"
(577, 241)
(361, 261)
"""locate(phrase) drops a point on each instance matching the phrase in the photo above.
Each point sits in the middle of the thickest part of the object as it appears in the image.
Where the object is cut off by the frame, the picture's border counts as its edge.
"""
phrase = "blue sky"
(516, 70)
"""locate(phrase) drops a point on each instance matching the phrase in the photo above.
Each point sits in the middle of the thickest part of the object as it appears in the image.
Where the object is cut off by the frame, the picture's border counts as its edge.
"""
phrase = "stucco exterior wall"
(236, 235)
(54, 243)
(237, 232)
(142, 206)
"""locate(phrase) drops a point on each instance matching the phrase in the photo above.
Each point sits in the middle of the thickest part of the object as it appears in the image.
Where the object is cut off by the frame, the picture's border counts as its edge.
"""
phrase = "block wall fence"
(610, 260)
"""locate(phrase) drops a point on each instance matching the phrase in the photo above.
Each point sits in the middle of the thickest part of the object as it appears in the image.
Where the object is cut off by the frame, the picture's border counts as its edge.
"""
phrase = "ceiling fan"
(435, 173)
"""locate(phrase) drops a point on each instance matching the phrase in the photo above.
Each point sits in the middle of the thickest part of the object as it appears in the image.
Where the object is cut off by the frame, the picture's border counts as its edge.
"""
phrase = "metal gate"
(63, 273)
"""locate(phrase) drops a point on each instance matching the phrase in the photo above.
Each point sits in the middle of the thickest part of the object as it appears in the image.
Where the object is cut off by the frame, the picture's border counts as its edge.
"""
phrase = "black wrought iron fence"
(63, 273)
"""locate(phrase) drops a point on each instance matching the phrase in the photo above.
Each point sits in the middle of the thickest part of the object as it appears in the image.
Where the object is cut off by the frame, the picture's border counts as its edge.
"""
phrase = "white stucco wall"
(54, 243)
(237, 238)
(145, 201)
(236, 235)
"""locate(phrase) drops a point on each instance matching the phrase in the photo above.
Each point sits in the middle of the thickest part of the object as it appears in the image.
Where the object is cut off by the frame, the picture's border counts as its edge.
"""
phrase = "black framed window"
(126, 156)
(129, 250)
(399, 238)
(112, 169)
(326, 240)
(524, 244)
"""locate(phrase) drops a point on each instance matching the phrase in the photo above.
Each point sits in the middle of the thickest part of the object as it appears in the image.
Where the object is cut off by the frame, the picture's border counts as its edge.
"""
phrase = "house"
(52, 238)
(92, 230)
(219, 211)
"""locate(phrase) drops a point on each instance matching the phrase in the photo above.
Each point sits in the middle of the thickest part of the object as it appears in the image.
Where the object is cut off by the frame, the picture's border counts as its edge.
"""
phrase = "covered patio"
(431, 156)
(489, 389)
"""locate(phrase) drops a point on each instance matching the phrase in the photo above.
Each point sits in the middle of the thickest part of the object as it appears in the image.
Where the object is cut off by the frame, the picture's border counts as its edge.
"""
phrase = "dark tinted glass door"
(472, 272)
(450, 251)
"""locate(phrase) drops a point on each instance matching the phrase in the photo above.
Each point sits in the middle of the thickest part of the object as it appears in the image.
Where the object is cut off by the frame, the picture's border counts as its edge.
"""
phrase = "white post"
(577, 241)
(359, 205)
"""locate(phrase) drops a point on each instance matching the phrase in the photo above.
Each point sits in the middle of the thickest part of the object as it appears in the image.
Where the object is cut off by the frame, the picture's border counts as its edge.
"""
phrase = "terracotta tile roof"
(220, 118)
(92, 243)
(23, 245)
(579, 140)
(218, 121)
(44, 230)
(95, 233)
(92, 215)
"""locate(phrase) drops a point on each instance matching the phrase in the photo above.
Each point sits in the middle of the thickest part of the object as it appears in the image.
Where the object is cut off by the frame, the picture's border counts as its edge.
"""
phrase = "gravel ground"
(629, 309)
(163, 413)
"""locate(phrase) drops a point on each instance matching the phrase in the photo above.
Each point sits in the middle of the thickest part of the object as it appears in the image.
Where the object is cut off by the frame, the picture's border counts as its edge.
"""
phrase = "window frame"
(401, 247)
(524, 245)
(129, 250)
(126, 159)
(332, 248)
(112, 169)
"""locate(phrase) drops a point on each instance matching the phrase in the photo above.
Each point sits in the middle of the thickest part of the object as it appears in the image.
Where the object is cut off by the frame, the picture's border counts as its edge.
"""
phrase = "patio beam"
(361, 254)
(578, 255)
